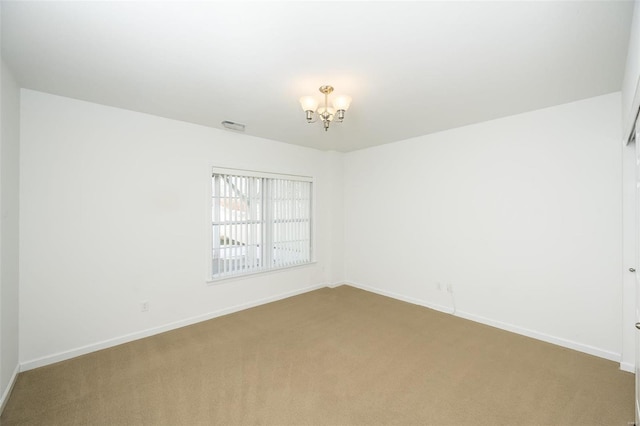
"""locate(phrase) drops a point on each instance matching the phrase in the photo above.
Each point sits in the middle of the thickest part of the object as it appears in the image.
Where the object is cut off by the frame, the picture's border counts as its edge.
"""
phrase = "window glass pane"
(292, 223)
(259, 223)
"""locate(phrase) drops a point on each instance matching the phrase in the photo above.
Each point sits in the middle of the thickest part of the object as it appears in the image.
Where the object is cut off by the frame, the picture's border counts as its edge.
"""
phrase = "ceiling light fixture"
(325, 113)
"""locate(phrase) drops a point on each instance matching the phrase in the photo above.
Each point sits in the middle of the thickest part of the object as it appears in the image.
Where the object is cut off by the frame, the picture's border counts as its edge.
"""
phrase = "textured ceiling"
(412, 68)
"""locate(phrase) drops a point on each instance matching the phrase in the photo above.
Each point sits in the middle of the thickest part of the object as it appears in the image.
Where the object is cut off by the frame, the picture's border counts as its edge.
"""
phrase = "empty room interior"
(329, 213)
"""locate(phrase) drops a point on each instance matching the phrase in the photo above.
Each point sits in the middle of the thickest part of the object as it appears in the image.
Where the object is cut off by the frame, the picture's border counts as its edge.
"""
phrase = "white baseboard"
(591, 350)
(627, 366)
(7, 392)
(61, 356)
(566, 343)
(414, 301)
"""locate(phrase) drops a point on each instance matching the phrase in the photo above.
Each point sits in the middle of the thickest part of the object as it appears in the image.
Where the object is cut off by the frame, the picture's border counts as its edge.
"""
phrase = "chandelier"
(325, 113)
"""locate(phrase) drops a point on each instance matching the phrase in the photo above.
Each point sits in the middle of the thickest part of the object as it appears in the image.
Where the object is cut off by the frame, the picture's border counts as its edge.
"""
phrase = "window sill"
(222, 280)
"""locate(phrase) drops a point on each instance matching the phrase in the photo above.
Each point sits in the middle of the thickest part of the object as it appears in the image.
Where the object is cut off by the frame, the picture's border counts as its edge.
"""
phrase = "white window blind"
(260, 222)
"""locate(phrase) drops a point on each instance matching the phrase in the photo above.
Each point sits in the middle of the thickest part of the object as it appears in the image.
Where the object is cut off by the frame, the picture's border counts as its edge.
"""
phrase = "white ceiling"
(412, 68)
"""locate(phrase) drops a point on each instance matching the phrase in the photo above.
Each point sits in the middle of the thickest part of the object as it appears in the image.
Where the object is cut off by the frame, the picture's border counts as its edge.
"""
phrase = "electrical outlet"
(144, 306)
(439, 286)
(449, 288)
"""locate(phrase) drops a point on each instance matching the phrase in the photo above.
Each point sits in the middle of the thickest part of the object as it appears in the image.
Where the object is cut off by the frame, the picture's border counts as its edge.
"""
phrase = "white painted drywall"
(521, 215)
(9, 237)
(630, 101)
(336, 167)
(629, 257)
(630, 104)
(115, 210)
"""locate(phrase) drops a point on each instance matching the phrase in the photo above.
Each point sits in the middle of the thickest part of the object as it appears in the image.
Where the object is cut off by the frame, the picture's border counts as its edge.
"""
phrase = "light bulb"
(308, 103)
(342, 102)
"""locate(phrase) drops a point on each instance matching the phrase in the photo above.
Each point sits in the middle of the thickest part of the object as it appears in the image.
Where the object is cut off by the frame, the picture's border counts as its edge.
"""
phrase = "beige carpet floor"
(338, 356)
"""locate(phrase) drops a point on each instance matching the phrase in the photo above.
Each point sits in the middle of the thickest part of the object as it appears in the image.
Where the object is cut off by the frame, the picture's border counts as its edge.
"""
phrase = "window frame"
(267, 218)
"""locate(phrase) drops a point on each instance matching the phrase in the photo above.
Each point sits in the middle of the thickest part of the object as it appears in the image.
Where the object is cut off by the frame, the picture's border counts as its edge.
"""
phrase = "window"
(260, 222)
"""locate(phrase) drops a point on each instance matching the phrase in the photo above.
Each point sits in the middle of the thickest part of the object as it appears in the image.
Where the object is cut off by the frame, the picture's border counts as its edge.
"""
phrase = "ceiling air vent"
(238, 127)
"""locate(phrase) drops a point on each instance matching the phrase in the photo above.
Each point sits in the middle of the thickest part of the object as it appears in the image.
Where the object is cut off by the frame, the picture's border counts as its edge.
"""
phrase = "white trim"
(629, 257)
(61, 356)
(630, 121)
(566, 343)
(215, 281)
(570, 344)
(7, 392)
(267, 216)
(259, 174)
(627, 366)
(414, 301)
(209, 229)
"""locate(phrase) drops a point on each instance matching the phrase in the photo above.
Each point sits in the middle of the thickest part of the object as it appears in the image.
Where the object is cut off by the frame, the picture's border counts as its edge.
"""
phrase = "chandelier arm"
(324, 113)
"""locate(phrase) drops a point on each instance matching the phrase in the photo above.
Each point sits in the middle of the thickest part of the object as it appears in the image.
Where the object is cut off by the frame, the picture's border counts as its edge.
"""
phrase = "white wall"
(115, 209)
(629, 257)
(630, 104)
(336, 168)
(630, 100)
(521, 215)
(9, 237)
